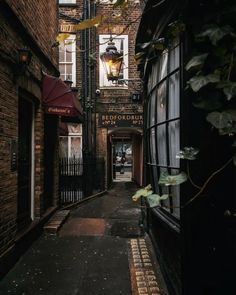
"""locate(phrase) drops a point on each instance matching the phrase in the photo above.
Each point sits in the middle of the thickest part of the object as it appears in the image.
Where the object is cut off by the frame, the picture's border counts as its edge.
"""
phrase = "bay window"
(163, 124)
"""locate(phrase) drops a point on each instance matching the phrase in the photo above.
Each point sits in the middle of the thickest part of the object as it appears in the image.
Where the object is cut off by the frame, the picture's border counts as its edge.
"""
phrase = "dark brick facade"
(32, 25)
(115, 100)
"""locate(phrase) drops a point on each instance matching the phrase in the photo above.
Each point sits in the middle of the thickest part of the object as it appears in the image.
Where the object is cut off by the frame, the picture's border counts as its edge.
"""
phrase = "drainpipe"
(84, 59)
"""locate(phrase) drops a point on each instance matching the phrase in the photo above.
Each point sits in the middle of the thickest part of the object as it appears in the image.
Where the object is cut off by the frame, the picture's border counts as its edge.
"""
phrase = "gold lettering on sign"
(67, 28)
(124, 120)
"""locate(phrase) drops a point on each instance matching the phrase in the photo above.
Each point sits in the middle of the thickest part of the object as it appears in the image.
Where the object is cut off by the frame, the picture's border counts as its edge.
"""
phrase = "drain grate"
(125, 229)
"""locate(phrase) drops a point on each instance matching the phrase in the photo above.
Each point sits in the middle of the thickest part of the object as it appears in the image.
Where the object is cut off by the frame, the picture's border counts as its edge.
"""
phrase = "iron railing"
(80, 178)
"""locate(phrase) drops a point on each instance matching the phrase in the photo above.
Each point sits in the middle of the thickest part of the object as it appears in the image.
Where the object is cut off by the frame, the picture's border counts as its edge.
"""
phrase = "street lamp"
(24, 56)
(24, 59)
(112, 61)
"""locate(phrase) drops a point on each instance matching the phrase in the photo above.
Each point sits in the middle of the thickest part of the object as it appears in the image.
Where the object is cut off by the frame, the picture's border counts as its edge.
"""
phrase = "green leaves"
(197, 82)
(224, 121)
(188, 153)
(88, 23)
(166, 179)
(219, 120)
(120, 3)
(175, 28)
(229, 89)
(155, 199)
(196, 61)
(214, 33)
(143, 192)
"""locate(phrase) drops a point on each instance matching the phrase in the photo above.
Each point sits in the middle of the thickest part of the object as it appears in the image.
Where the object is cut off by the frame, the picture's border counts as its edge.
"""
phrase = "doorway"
(122, 160)
(25, 178)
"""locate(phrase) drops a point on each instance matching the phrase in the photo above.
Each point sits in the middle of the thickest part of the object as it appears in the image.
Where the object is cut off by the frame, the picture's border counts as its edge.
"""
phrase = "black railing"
(80, 178)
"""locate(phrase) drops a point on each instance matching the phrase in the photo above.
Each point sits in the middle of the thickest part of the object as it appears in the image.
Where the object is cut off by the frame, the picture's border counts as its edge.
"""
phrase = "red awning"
(59, 99)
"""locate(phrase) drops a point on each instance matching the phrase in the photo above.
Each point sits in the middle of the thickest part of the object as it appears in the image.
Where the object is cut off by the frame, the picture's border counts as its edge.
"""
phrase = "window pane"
(165, 190)
(174, 142)
(175, 193)
(76, 147)
(69, 71)
(61, 56)
(68, 56)
(163, 65)
(152, 109)
(63, 147)
(155, 179)
(161, 103)
(153, 145)
(161, 150)
(174, 96)
(74, 128)
(154, 74)
(62, 69)
(174, 58)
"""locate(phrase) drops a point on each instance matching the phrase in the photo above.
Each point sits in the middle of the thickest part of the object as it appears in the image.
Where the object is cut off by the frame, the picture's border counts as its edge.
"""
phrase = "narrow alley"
(99, 250)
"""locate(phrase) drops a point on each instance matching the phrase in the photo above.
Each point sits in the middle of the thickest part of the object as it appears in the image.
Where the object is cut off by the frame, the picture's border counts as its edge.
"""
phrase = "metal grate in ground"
(143, 277)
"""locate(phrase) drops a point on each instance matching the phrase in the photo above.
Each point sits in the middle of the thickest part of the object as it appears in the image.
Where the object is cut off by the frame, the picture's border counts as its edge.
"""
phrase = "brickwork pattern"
(39, 21)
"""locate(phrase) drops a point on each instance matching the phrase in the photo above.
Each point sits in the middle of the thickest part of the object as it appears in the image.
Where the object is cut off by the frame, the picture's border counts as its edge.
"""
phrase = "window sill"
(167, 220)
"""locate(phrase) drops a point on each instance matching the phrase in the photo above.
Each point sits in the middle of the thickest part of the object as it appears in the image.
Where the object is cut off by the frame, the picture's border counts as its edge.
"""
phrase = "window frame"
(171, 206)
(66, 1)
(103, 82)
(72, 37)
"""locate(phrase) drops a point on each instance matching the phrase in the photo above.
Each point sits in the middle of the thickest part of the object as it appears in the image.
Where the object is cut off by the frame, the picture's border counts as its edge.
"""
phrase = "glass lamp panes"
(121, 43)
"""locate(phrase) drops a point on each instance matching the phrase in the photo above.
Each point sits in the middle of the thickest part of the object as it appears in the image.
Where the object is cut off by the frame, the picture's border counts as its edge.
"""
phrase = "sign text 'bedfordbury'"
(125, 120)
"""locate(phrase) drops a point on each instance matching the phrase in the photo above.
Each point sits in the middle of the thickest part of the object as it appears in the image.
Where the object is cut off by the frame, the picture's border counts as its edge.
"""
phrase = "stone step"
(56, 221)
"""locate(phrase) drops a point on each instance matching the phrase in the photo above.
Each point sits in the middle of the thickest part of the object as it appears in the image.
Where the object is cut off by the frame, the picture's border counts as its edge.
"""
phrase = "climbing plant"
(211, 79)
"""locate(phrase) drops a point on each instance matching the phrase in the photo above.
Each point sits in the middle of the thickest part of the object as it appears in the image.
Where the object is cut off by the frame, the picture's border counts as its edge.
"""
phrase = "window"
(67, 1)
(163, 125)
(71, 145)
(121, 43)
(67, 57)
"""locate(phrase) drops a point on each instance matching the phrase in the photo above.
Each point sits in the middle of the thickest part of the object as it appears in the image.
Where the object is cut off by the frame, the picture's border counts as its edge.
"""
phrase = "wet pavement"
(90, 255)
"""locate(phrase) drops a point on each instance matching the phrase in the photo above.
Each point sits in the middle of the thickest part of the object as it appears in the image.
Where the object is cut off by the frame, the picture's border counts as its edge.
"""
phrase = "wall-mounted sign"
(124, 120)
(67, 28)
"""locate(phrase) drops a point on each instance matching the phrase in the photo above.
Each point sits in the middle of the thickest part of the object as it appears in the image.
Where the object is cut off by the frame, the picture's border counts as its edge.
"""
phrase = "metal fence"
(80, 178)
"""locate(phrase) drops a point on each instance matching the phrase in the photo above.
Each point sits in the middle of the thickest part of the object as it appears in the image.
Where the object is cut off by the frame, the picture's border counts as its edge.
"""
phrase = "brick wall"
(40, 19)
(30, 24)
(118, 100)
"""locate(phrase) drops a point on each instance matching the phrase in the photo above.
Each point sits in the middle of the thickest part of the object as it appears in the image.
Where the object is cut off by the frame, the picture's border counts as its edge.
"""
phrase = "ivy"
(197, 82)
(167, 179)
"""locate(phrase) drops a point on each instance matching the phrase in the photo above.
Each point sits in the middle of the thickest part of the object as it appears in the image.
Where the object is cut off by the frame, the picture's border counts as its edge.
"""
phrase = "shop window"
(121, 43)
(67, 59)
(163, 124)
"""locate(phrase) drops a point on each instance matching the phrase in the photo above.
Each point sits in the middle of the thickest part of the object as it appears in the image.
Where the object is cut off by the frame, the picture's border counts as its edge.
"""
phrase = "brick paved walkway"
(99, 250)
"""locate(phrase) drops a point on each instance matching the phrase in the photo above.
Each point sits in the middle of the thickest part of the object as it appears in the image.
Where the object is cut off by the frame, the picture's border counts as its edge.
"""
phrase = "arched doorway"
(125, 150)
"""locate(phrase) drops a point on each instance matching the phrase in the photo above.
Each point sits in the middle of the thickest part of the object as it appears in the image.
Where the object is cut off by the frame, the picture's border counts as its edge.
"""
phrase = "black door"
(24, 163)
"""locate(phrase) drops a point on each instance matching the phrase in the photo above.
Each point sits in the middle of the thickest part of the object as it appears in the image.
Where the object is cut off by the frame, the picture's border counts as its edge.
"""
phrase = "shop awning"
(59, 99)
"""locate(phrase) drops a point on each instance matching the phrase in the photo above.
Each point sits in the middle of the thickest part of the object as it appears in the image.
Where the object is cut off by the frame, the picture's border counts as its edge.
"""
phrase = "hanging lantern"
(112, 61)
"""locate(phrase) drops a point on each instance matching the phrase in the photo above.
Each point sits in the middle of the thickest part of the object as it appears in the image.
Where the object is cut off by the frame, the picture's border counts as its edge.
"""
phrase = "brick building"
(113, 111)
(28, 136)
(119, 109)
